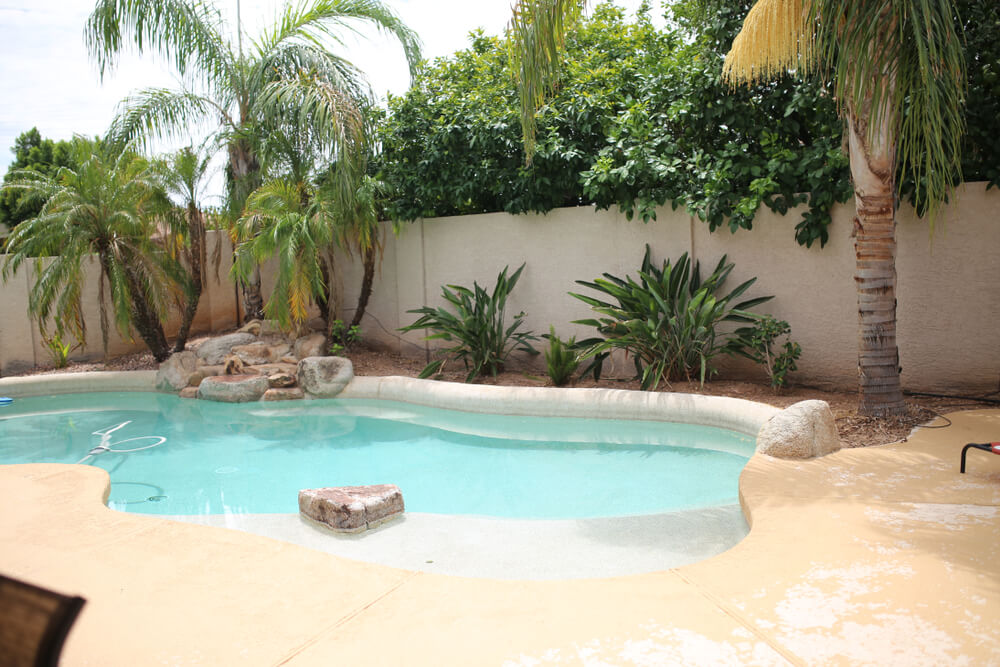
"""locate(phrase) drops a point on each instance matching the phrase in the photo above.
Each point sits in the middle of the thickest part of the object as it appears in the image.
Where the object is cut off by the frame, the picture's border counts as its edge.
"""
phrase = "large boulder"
(801, 431)
(233, 388)
(283, 394)
(251, 327)
(214, 350)
(256, 353)
(175, 373)
(351, 508)
(280, 380)
(324, 377)
(313, 345)
(277, 367)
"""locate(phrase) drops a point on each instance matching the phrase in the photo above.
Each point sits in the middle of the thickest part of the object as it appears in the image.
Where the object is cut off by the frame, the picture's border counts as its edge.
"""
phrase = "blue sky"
(48, 81)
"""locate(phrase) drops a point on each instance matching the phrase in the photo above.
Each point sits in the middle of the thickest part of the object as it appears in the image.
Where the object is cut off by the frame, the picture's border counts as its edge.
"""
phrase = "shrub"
(757, 342)
(561, 359)
(57, 349)
(483, 341)
(666, 320)
(344, 337)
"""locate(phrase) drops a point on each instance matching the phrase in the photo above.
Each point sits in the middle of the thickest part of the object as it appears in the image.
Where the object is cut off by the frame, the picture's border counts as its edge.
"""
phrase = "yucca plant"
(561, 358)
(666, 321)
(483, 341)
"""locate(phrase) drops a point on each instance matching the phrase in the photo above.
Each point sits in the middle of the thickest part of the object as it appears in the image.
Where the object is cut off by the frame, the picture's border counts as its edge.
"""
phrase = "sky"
(48, 81)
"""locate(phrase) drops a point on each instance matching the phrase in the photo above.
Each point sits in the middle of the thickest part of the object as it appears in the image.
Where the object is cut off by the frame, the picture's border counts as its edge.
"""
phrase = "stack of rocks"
(258, 362)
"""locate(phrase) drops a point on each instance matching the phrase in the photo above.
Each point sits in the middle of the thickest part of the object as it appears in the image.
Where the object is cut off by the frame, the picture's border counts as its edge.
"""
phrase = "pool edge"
(735, 414)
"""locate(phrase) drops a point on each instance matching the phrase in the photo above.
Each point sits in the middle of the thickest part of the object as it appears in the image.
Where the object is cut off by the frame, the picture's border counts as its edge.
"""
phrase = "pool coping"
(882, 555)
(735, 414)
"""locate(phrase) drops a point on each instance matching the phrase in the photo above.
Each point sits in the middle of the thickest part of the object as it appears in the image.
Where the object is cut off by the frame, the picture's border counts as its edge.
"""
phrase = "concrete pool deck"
(880, 556)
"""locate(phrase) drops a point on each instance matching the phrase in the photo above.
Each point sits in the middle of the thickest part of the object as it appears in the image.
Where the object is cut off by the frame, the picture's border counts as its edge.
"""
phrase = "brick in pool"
(351, 509)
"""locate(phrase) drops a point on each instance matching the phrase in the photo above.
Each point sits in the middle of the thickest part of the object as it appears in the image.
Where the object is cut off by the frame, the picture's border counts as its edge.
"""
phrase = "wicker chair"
(34, 623)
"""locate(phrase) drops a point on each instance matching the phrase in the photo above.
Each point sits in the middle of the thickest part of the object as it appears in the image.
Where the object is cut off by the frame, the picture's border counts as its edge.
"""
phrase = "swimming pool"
(253, 458)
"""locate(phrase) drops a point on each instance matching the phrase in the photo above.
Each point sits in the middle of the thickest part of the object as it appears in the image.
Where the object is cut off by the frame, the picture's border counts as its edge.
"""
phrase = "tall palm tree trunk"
(880, 392)
(366, 285)
(144, 318)
(196, 264)
(244, 172)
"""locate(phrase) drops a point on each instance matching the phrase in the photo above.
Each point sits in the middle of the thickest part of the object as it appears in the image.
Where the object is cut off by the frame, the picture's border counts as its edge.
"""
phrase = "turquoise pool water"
(253, 458)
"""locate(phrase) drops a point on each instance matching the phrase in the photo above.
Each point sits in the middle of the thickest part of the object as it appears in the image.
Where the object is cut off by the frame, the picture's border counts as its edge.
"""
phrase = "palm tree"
(360, 227)
(898, 69)
(293, 221)
(103, 207)
(183, 175)
(224, 83)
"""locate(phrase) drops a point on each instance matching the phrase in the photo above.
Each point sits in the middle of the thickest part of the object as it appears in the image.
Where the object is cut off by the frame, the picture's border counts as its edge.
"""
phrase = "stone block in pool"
(233, 388)
(351, 509)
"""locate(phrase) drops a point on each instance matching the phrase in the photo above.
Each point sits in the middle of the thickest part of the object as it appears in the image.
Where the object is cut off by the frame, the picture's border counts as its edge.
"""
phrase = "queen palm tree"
(898, 73)
(306, 211)
(104, 207)
(293, 221)
(225, 83)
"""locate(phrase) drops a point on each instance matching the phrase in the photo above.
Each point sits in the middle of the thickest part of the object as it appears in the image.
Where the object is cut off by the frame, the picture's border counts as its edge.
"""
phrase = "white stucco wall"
(948, 284)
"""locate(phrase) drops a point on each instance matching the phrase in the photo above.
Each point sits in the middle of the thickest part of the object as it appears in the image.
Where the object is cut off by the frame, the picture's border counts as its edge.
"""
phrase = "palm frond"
(777, 36)
(537, 35)
(898, 63)
(161, 113)
(320, 21)
(184, 32)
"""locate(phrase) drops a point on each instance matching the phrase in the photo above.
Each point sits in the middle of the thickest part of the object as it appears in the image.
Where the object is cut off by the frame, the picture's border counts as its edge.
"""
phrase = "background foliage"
(33, 152)
(639, 119)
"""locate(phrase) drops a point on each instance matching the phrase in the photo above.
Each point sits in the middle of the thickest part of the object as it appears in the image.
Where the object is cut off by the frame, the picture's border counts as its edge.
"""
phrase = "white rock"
(254, 354)
(214, 350)
(233, 388)
(800, 431)
(175, 373)
(313, 345)
(324, 377)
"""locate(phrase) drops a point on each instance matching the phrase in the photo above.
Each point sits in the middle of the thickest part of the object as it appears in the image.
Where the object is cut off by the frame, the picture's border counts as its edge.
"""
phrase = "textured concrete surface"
(882, 556)
(472, 546)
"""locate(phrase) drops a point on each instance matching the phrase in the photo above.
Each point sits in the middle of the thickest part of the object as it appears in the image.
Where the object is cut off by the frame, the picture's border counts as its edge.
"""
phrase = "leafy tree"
(225, 82)
(899, 71)
(32, 152)
(638, 119)
(104, 207)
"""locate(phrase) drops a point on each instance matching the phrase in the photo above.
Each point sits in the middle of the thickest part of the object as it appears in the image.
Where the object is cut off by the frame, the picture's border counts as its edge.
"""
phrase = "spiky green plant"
(561, 358)
(477, 324)
(667, 320)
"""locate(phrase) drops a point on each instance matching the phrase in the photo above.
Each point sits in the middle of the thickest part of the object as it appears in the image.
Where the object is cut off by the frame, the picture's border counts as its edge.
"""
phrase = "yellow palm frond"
(777, 35)
(299, 293)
